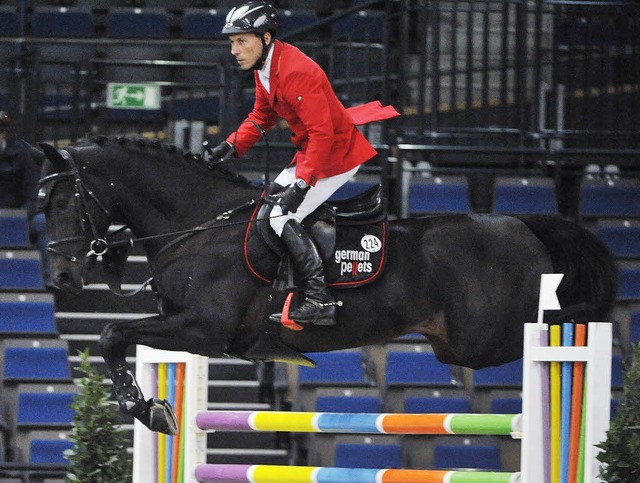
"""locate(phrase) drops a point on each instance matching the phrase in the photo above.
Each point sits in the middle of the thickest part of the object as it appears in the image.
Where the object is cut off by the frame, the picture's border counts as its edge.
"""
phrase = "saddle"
(350, 235)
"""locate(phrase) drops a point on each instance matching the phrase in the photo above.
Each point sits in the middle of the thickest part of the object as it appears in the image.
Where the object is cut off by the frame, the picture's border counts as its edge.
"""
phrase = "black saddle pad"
(354, 254)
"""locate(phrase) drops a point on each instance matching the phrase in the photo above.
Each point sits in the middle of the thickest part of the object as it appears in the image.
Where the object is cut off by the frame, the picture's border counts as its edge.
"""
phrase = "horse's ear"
(36, 153)
(59, 163)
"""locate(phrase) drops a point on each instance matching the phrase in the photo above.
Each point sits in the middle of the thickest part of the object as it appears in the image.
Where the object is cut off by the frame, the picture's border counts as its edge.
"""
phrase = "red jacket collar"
(275, 71)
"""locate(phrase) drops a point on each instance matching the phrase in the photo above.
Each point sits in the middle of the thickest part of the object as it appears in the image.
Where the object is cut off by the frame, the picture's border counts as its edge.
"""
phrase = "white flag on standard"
(549, 283)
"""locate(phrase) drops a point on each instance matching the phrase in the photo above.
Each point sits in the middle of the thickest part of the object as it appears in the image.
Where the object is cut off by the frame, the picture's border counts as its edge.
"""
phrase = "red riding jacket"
(323, 131)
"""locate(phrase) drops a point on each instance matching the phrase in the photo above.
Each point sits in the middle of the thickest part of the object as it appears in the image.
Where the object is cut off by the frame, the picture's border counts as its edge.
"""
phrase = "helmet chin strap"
(265, 51)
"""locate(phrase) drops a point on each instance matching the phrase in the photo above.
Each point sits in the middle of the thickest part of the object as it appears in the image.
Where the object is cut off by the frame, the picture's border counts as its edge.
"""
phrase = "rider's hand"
(218, 154)
(293, 196)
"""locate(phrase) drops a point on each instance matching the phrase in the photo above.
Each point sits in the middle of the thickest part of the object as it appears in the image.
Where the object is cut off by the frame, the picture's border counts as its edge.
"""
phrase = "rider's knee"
(277, 220)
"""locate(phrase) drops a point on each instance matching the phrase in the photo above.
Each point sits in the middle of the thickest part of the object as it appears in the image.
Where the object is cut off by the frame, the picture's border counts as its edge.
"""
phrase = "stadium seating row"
(155, 23)
(597, 199)
(403, 369)
(415, 369)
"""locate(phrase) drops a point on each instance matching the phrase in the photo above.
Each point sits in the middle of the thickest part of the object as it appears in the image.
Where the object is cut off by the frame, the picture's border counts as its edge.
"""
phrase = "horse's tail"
(591, 274)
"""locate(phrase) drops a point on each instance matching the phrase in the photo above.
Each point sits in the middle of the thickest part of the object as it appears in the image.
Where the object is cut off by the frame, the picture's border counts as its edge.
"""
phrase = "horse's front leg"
(157, 332)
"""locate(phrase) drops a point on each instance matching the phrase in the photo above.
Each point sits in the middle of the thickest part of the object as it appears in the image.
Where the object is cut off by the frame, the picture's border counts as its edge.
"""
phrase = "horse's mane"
(159, 150)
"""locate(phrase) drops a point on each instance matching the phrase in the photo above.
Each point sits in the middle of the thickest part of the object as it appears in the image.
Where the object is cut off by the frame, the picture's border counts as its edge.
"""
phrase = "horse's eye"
(61, 203)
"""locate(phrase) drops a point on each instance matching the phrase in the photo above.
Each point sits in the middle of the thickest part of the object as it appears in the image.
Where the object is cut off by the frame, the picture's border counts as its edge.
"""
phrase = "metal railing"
(526, 86)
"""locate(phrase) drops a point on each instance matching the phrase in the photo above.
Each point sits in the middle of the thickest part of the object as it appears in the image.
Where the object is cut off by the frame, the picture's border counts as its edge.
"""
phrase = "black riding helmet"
(253, 17)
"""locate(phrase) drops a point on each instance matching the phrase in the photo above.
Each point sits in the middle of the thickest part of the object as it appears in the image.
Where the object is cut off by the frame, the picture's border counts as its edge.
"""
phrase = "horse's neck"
(174, 201)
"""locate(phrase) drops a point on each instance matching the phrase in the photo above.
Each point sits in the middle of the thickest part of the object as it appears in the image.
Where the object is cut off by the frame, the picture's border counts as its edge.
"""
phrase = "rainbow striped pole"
(392, 423)
(313, 474)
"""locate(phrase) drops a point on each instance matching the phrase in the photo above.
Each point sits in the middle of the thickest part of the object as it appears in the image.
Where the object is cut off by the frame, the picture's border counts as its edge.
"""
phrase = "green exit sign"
(133, 96)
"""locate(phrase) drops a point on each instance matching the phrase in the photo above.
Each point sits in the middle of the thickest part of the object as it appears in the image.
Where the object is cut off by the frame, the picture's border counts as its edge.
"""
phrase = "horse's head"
(76, 220)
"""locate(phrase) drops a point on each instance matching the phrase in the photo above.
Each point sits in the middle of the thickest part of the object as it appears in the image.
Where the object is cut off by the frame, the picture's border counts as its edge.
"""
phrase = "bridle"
(98, 246)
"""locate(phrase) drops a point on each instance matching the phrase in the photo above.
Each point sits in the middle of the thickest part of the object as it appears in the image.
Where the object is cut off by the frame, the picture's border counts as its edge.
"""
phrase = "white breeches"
(316, 195)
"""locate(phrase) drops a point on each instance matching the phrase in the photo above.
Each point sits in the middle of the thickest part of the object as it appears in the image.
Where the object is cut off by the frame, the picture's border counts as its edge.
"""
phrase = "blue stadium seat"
(292, 20)
(14, 231)
(354, 455)
(45, 409)
(49, 451)
(203, 23)
(506, 405)
(429, 405)
(428, 197)
(20, 273)
(146, 23)
(610, 201)
(525, 199)
(62, 22)
(617, 372)
(613, 409)
(506, 375)
(36, 363)
(134, 115)
(27, 318)
(205, 109)
(629, 284)
(5, 100)
(623, 240)
(362, 26)
(334, 368)
(9, 22)
(62, 107)
(416, 369)
(348, 404)
(468, 456)
(635, 327)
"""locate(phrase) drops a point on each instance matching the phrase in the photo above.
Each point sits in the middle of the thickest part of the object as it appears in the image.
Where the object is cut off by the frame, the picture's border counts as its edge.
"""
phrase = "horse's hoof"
(161, 417)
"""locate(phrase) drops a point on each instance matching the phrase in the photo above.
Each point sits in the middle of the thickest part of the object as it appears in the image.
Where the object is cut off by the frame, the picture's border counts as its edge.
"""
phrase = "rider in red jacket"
(292, 86)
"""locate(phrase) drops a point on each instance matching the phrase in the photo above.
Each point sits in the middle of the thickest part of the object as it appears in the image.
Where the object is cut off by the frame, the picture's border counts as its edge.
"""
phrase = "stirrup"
(313, 306)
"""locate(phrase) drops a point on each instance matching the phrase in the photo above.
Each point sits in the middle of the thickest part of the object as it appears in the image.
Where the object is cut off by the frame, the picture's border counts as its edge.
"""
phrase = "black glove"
(274, 189)
(218, 154)
(293, 196)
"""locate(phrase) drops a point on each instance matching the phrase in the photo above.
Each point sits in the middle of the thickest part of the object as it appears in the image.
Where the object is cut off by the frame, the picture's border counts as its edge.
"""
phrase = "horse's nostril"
(62, 278)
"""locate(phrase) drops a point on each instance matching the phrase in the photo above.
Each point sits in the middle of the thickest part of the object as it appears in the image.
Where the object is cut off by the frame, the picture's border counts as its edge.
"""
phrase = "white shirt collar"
(265, 73)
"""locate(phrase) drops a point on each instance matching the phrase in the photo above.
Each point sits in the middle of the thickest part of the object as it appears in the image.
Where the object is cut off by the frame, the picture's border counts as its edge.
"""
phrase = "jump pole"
(360, 423)
(316, 474)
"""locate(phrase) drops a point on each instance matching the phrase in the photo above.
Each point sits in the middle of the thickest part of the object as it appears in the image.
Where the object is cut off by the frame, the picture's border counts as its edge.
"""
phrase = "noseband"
(98, 246)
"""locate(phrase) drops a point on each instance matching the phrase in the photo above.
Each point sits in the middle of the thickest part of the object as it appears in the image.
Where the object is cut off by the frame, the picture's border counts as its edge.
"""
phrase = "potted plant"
(620, 450)
(100, 445)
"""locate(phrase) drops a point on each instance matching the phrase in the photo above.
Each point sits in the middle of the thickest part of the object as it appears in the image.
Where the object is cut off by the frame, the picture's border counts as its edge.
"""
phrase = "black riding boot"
(319, 307)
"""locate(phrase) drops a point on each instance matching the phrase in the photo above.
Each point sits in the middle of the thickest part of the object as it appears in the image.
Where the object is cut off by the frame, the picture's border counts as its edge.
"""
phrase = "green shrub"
(621, 450)
(100, 452)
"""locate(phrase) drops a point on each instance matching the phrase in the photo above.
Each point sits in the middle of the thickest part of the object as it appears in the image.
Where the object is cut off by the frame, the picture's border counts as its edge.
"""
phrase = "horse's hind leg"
(157, 332)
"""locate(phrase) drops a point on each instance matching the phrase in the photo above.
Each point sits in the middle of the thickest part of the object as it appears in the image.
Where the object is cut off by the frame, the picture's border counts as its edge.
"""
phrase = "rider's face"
(247, 48)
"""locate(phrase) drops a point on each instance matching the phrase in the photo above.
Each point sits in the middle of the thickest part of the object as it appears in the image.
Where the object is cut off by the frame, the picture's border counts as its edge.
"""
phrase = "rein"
(221, 217)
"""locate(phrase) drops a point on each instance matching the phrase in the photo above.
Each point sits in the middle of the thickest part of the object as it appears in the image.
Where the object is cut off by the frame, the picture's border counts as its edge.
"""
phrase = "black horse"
(466, 282)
